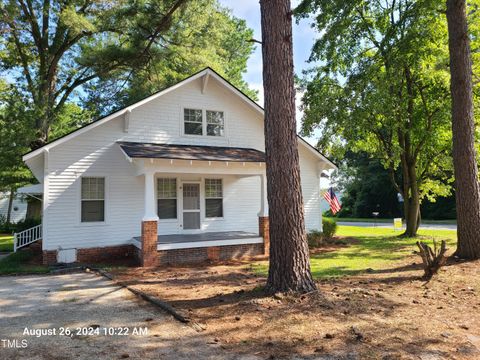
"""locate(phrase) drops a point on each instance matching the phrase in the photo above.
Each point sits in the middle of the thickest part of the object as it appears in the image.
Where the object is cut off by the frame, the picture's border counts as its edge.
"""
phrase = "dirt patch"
(87, 301)
(389, 314)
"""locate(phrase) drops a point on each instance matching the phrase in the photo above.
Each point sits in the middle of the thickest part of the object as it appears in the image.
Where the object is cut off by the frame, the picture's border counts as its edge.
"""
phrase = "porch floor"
(220, 238)
(209, 236)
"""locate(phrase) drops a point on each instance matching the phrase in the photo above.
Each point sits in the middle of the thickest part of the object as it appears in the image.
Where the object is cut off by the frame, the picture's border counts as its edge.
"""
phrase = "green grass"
(6, 243)
(18, 263)
(390, 221)
(377, 249)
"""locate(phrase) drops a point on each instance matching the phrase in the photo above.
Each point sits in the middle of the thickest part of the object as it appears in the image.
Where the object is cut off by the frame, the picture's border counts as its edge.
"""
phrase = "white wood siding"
(95, 153)
(161, 120)
(241, 204)
(311, 189)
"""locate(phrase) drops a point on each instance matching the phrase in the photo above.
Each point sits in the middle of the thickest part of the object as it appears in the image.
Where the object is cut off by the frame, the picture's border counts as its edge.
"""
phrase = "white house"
(19, 207)
(176, 177)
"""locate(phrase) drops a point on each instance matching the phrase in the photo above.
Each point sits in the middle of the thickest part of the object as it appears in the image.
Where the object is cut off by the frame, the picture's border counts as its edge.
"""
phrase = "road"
(390, 225)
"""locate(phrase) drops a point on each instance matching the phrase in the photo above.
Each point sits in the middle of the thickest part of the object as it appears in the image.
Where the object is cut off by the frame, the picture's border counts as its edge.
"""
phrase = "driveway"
(81, 300)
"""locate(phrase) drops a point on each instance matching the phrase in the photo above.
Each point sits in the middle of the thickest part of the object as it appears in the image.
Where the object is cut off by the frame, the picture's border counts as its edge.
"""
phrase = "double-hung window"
(199, 122)
(192, 122)
(167, 198)
(215, 123)
(93, 199)
(213, 198)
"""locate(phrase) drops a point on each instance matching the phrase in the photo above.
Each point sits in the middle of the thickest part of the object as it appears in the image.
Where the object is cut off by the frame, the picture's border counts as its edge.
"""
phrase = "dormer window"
(203, 122)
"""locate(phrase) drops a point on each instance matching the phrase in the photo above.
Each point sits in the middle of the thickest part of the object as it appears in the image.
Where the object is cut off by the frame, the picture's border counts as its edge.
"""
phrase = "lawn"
(373, 249)
(388, 312)
(22, 262)
(390, 221)
(6, 243)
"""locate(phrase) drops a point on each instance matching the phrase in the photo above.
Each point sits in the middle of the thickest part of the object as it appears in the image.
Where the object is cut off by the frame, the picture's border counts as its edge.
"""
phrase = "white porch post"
(150, 213)
(264, 199)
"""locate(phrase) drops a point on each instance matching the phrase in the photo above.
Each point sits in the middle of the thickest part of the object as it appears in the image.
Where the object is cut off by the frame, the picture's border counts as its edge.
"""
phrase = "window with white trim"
(167, 198)
(213, 198)
(198, 122)
(215, 123)
(192, 122)
(93, 199)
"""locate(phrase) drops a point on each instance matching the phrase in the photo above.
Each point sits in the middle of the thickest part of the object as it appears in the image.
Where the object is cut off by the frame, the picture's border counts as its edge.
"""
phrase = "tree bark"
(411, 194)
(289, 268)
(467, 188)
(10, 206)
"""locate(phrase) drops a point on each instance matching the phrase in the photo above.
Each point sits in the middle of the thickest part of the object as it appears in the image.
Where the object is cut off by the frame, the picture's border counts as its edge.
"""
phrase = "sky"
(303, 39)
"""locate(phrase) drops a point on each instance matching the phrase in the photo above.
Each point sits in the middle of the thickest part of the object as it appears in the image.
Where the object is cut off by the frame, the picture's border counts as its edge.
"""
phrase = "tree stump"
(433, 259)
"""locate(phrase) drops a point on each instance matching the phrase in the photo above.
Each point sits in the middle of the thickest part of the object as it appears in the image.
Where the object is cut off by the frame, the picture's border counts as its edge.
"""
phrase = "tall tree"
(16, 124)
(463, 127)
(208, 35)
(57, 46)
(289, 268)
(382, 88)
(54, 48)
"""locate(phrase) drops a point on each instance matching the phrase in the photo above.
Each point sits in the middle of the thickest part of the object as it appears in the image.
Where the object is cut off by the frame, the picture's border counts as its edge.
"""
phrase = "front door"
(191, 206)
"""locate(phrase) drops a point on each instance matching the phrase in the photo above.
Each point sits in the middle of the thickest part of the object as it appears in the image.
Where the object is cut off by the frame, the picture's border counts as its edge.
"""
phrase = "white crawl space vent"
(67, 256)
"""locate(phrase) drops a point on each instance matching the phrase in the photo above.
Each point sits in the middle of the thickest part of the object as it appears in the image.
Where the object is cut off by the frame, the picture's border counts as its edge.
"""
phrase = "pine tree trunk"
(464, 155)
(289, 257)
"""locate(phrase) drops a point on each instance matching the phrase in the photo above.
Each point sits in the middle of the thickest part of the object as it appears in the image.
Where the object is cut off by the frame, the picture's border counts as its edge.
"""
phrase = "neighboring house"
(26, 203)
(19, 207)
(177, 177)
(32, 194)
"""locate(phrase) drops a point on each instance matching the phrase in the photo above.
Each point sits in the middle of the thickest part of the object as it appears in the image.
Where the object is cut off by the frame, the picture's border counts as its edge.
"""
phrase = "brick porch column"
(213, 253)
(149, 254)
(264, 231)
(263, 221)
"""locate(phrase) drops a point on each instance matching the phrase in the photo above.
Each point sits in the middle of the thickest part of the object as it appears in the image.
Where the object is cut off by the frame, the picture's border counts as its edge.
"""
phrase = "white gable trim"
(111, 116)
(314, 151)
(206, 73)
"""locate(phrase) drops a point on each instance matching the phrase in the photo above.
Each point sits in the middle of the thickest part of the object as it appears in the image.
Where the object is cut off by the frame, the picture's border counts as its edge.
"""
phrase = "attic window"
(193, 124)
(215, 123)
(203, 122)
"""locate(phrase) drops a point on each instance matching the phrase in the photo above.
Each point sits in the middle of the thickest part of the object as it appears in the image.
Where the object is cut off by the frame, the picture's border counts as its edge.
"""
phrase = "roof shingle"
(191, 152)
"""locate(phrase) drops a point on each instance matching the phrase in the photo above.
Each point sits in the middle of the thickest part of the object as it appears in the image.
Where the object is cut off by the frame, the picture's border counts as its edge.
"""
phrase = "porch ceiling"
(191, 152)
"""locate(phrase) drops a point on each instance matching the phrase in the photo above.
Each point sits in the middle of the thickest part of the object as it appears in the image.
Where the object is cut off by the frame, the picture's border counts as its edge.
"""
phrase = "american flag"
(332, 200)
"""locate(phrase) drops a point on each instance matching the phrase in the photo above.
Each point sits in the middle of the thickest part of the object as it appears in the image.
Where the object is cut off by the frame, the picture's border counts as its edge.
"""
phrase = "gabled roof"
(207, 71)
(190, 152)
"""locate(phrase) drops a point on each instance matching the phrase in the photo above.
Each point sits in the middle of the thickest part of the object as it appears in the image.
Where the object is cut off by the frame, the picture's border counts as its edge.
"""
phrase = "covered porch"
(206, 239)
(200, 202)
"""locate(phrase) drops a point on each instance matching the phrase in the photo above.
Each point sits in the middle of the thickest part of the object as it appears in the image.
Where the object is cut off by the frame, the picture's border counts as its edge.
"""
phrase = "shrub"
(314, 238)
(329, 228)
(6, 227)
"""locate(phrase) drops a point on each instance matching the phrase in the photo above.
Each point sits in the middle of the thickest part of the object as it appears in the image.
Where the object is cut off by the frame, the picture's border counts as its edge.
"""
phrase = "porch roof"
(190, 152)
